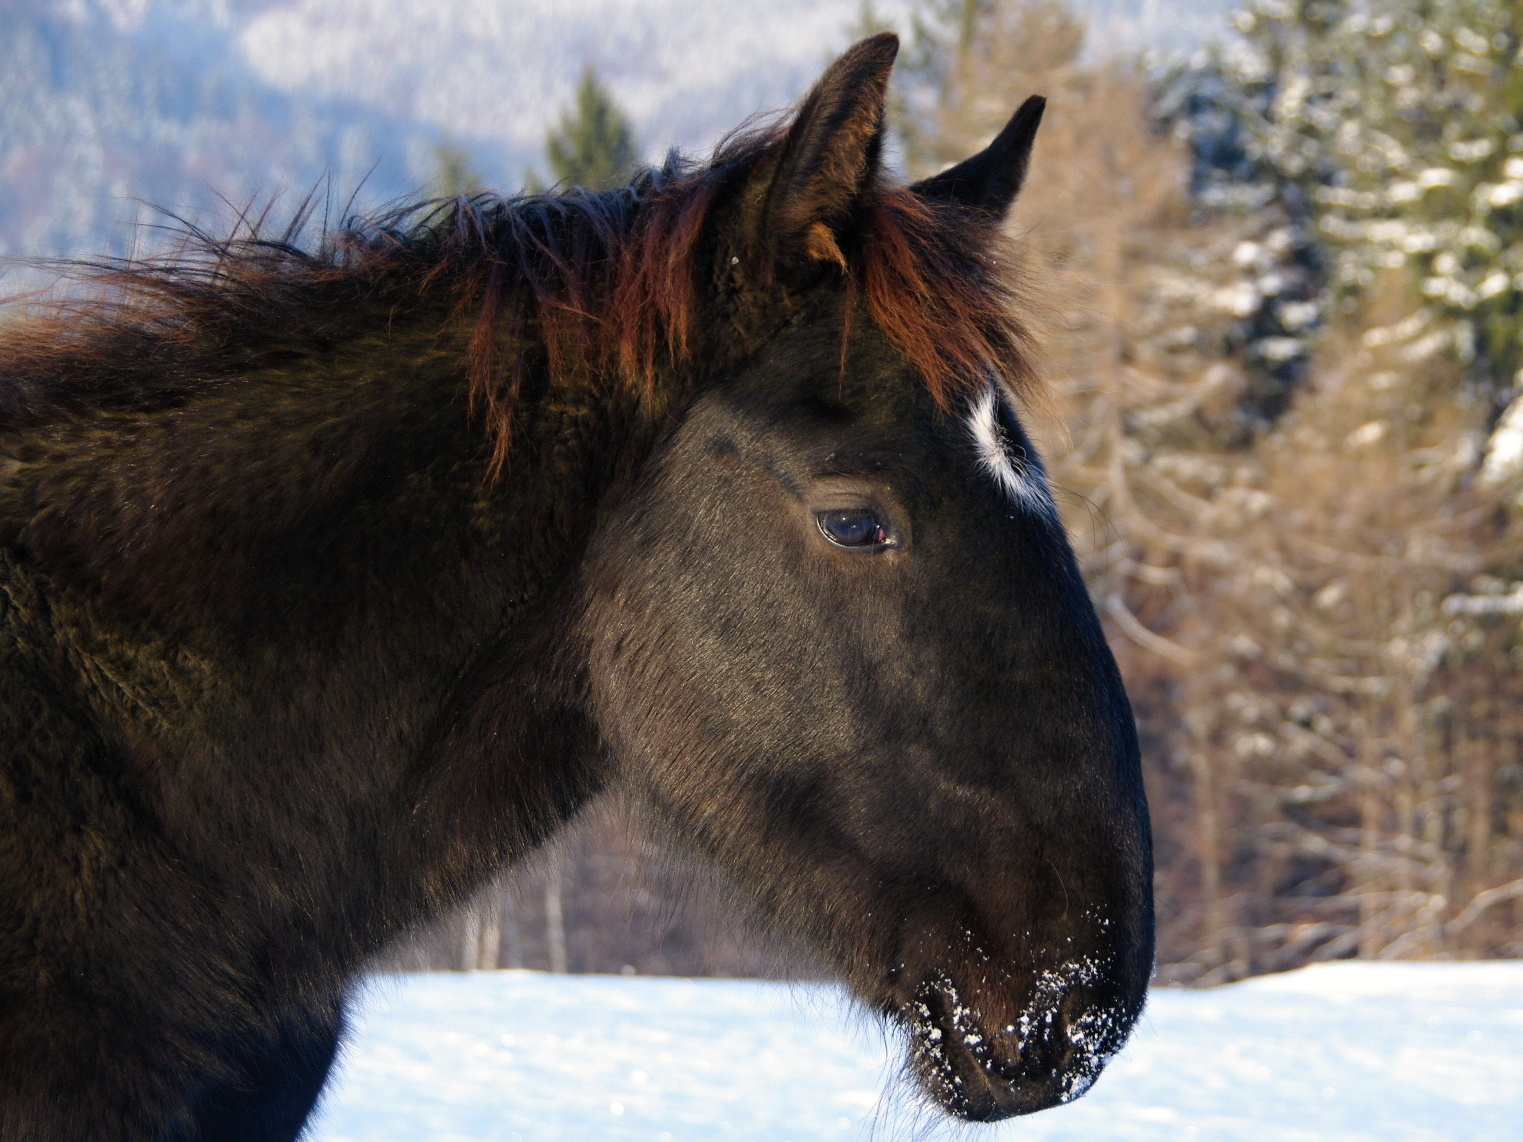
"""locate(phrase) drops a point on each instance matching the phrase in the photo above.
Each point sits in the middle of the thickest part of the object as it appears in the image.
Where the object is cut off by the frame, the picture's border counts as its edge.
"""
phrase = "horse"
(336, 575)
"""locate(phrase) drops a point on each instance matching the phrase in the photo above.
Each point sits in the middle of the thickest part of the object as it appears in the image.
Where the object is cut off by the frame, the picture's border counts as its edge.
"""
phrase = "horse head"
(836, 636)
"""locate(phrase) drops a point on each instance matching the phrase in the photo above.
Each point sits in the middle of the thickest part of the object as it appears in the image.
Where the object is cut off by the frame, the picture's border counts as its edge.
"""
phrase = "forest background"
(1280, 287)
(1281, 284)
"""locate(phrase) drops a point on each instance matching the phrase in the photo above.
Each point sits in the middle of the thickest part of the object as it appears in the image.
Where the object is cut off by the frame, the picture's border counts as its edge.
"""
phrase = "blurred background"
(1276, 251)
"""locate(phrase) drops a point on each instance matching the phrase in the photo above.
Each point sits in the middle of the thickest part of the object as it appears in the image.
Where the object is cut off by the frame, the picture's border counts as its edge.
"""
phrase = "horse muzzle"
(985, 1068)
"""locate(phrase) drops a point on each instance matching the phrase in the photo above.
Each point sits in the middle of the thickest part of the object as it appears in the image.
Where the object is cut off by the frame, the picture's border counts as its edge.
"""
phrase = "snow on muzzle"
(985, 1068)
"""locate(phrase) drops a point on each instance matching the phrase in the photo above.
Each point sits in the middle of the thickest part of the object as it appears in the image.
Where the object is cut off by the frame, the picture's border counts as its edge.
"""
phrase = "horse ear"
(991, 179)
(807, 193)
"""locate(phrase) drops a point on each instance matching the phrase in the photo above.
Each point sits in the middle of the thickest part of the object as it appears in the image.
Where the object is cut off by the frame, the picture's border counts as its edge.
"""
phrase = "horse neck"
(305, 576)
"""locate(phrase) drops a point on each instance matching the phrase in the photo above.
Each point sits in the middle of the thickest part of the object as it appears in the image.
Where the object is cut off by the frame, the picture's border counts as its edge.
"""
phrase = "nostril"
(1092, 1031)
(1048, 1050)
(1073, 1017)
(1073, 1008)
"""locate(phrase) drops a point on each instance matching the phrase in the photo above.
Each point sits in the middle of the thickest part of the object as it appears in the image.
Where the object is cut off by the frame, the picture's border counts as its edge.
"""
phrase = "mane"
(583, 284)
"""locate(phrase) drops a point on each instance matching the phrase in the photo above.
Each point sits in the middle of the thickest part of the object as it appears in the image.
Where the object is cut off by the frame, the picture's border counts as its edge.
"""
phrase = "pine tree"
(1432, 185)
(592, 146)
(1388, 135)
(1256, 112)
(454, 173)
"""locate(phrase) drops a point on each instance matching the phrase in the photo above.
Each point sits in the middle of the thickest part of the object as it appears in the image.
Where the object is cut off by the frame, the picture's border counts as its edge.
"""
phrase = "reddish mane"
(603, 285)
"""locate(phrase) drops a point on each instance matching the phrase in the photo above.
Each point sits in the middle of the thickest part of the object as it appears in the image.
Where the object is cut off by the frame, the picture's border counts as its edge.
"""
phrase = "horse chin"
(1049, 1054)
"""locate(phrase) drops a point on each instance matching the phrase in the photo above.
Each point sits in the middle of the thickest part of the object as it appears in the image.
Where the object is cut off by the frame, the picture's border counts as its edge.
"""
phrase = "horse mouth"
(1050, 1054)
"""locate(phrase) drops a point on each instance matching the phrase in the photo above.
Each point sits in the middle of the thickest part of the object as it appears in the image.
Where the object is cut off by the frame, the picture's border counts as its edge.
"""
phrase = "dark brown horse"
(334, 580)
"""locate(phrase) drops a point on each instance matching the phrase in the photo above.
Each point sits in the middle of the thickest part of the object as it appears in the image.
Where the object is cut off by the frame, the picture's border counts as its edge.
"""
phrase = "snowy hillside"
(108, 104)
(1371, 1052)
(686, 70)
(102, 112)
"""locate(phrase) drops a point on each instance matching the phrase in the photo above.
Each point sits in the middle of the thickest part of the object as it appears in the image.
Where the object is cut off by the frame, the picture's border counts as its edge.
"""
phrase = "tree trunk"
(555, 923)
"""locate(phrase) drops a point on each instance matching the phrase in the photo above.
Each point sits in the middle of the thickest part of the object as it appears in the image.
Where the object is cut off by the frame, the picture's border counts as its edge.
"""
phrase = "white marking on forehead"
(1018, 473)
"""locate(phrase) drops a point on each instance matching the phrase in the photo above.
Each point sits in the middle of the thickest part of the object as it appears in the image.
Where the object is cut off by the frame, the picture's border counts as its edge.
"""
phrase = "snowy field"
(1377, 1052)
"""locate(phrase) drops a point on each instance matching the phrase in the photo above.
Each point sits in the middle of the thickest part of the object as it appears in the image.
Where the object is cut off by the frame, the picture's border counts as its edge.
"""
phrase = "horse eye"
(852, 527)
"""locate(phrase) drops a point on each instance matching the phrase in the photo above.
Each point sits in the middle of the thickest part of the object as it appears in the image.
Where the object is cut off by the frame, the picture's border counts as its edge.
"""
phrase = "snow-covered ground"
(1377, 1052)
